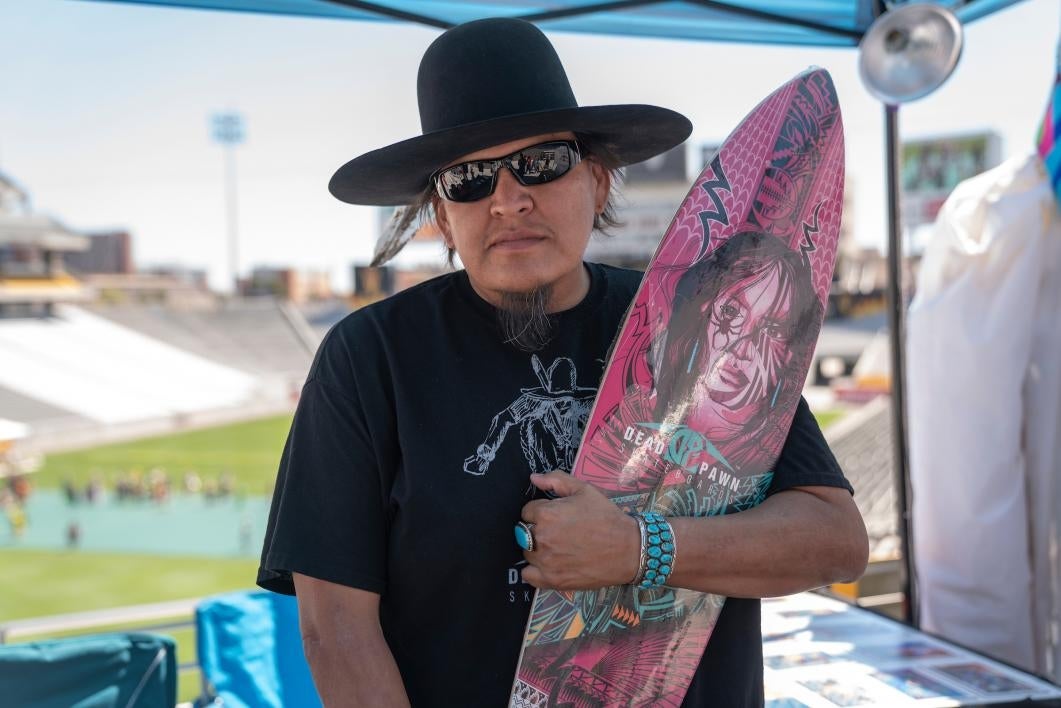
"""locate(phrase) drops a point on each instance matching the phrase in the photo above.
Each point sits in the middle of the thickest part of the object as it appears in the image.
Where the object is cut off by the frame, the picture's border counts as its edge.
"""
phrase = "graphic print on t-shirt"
(548, 420)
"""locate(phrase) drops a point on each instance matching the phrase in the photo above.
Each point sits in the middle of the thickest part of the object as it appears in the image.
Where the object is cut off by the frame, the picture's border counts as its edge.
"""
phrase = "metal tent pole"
(897, 339)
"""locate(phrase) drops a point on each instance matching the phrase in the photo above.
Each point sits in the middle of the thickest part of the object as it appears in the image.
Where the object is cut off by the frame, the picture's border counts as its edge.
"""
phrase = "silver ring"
(525, 535)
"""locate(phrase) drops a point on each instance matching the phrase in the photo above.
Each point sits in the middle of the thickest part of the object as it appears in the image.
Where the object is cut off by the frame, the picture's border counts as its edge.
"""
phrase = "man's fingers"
(535, 577)
(531, 509)
(560, 484)
(532, 576)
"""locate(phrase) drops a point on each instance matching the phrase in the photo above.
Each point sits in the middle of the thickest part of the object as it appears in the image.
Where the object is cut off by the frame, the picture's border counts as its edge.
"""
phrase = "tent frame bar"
(393, 13)
(588, 9)
(896, 310)
(854, 35)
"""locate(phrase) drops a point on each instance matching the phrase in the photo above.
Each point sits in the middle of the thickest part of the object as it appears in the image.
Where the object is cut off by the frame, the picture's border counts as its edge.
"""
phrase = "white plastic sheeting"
(1042, 444)
(984, 336)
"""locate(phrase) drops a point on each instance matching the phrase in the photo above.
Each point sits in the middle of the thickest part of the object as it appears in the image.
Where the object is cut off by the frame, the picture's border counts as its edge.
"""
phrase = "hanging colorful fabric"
(1050, 132)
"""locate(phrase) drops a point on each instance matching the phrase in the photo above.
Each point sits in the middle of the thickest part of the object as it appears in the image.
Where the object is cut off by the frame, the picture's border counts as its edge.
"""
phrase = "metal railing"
(154, 617)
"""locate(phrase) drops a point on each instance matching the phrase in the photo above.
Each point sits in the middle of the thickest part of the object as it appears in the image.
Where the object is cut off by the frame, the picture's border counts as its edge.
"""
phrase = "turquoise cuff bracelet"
(641, 564)
(658, 550)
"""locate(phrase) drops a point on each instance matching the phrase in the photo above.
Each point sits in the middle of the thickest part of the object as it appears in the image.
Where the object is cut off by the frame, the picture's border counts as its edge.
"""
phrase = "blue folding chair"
(124, 670)
(250, 652)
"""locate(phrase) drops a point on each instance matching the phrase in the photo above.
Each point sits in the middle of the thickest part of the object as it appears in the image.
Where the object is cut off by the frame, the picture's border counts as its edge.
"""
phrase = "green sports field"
(249, 450)
(53, 581)
(42, 582)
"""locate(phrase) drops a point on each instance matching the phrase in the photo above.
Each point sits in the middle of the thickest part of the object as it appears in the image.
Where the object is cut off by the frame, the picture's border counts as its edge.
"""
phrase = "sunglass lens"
(543, 163)
(467, 182)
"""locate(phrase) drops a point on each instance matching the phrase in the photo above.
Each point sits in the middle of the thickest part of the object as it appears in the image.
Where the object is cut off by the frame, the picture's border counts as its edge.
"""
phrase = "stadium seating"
(251, 335)
(96, 369)
(31, 410)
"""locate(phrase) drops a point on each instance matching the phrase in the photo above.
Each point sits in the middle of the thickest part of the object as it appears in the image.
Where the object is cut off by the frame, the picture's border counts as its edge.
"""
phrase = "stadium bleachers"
(256, 335)
(322, 316)
(31, 410)
(102, 371)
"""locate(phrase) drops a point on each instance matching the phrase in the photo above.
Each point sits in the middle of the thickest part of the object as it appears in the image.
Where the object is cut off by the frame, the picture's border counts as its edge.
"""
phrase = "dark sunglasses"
(537, 164)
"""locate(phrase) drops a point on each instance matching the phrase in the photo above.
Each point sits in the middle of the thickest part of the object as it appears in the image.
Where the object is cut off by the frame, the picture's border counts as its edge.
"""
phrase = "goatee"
(523, 319)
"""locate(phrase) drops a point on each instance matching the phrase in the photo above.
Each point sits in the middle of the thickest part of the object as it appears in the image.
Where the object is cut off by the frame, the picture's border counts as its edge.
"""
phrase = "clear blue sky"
(104, 114)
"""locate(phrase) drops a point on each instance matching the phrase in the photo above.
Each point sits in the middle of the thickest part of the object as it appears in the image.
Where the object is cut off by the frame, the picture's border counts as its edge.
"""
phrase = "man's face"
(522, 238)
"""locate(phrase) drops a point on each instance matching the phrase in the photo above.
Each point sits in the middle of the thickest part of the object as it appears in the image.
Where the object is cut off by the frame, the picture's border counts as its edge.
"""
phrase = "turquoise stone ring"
(525, 536)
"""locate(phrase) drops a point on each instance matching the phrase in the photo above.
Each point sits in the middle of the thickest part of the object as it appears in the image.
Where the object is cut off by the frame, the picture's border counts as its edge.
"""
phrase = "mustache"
(523, 319)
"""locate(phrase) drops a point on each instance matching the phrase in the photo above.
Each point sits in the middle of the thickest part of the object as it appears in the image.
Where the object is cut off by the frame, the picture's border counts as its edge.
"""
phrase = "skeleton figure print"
(549, 420)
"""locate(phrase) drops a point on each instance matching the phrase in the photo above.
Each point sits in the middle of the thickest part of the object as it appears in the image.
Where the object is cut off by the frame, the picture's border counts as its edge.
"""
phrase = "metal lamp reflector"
(909, 51)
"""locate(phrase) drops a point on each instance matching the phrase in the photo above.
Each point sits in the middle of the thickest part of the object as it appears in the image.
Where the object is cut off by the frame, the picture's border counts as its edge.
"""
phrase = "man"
(423, 416)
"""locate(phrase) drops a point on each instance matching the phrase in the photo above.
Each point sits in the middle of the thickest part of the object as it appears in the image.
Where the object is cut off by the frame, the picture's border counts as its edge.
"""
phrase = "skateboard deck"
(699, 392)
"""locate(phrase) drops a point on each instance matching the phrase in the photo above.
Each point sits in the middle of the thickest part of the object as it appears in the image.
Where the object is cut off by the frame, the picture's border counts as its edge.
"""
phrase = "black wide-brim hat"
(486, 83)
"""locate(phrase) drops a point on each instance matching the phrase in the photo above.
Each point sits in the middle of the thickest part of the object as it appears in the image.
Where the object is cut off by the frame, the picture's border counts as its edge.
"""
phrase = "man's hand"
(582, 541)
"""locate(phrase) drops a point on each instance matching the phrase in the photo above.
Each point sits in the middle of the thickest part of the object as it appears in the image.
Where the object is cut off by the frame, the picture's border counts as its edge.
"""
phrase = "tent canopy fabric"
(836, 23)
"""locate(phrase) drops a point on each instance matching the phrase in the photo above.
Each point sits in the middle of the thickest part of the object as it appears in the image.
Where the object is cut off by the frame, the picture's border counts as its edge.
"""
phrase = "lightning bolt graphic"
(719, 214)
(808, 247)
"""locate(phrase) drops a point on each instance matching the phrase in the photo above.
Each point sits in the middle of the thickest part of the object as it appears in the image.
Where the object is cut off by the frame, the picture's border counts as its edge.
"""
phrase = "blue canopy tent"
(825, 23)
(831, 23)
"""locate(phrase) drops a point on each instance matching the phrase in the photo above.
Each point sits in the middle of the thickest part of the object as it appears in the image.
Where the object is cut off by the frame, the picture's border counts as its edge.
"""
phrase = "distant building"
(109, 252)
(422, 258)
(933, 167)
(33, 276)
(13, 199)
(290, 284)
(373, 283)
(178, 290)
(651, 192)
(188, 275)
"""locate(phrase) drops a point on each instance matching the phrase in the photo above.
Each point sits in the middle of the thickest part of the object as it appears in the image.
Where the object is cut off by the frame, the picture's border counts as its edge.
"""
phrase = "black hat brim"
(397, 174)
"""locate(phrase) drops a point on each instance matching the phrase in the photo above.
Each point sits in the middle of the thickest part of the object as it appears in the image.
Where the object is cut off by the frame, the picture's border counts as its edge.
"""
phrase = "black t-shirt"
(407, 465)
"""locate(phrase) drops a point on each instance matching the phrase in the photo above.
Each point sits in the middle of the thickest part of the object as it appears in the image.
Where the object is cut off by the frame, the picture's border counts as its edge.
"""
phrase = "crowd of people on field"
(156, 485)
(132, 486)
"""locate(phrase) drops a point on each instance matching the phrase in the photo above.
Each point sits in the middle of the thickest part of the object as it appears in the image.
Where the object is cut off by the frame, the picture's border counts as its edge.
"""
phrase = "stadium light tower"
(227, 130)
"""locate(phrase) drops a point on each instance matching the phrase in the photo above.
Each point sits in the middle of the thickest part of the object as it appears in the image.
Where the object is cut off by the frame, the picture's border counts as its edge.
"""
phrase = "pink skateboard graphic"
(699, 392)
